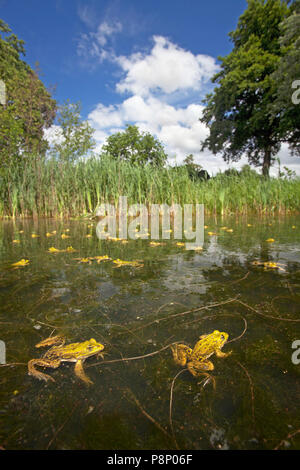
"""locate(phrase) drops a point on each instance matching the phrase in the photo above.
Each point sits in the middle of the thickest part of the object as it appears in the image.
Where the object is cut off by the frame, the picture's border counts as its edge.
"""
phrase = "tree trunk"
(267, 162)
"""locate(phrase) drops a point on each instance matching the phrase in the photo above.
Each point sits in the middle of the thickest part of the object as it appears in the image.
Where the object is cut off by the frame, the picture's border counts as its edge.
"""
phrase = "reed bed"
(51, 188)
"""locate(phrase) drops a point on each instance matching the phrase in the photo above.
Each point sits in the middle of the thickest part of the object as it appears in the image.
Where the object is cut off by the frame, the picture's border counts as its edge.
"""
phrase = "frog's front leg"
(101, 354)
(181, 353)
(80, 372)
(43, 363)
(219, 353)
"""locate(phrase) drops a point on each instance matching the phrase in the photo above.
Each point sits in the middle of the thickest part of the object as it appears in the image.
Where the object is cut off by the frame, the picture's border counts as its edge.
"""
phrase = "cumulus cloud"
(104, 117)
(168, 68)
(152, 80)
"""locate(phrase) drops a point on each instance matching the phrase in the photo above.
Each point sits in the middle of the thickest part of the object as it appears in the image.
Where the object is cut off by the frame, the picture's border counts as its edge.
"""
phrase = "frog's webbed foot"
(43, 363)
(51, 341)
(208, 378)
(80, 372)
(219, 353)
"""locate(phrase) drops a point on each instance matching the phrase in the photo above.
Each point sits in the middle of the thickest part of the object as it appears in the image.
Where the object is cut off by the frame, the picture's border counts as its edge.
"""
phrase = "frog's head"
(92, 347)
(220, 337)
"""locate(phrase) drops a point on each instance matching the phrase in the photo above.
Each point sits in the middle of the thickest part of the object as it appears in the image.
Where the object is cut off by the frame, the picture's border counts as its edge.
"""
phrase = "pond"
(140, 398)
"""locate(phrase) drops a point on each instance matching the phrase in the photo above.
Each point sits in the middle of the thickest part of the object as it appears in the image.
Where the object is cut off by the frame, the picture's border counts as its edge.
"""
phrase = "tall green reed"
(51, 188)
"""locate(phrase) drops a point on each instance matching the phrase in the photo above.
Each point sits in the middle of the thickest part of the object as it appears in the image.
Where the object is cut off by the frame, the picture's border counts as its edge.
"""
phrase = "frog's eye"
(222, 337)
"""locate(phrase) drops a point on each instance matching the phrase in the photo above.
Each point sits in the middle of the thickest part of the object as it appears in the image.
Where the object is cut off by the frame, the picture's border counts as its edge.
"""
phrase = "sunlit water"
(135, 311)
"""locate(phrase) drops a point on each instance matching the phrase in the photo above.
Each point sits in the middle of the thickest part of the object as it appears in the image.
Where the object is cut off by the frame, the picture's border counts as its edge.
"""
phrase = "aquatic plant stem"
(171, 405)
(142, 410)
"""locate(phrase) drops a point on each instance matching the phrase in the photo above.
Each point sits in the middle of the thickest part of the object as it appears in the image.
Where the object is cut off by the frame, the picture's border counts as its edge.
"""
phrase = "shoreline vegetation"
(52, 188)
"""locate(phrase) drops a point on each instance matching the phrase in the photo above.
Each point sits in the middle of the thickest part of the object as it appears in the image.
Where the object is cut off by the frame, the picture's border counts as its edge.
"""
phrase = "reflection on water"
(137, 312)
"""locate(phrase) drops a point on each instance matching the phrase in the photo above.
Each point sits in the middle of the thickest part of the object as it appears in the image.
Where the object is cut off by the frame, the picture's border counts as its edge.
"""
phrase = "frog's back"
(204, 348)
(209, 344)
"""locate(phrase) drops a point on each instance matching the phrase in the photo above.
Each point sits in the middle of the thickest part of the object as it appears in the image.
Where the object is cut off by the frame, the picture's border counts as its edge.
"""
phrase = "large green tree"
(28, 108)
(238, 111)
(287, 77)
(136, 147)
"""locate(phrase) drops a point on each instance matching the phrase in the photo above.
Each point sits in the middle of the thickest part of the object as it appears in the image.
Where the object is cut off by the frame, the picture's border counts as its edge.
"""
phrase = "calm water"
(138, 311)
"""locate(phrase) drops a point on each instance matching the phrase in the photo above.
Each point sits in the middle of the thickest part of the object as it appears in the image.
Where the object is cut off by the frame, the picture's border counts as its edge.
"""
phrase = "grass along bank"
(51, 188)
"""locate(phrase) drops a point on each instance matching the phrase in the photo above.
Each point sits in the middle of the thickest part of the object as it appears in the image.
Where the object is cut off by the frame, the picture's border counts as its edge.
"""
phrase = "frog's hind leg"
(199, 368)
(181, 353)
(80, 372)
(208, 378)
(42, 363)
(58, 340)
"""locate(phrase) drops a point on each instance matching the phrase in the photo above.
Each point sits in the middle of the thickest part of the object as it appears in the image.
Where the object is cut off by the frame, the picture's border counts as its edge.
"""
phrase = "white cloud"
(54, 135)
(91, 45)
(87, 15)
(168, 68)
(105, 30)
(152, 80)
(183, 140)
(104, 117)
(293, 163)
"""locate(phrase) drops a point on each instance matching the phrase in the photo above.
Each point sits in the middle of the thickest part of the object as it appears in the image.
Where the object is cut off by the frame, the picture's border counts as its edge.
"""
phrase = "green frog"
(197, 358)
(74, 352)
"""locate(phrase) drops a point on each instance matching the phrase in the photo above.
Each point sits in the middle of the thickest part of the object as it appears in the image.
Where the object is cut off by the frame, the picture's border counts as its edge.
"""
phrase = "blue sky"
(145, 62)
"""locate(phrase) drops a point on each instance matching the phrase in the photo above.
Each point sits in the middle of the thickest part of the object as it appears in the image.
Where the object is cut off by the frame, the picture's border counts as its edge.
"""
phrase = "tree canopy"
(136, 147)
(238, 111)
(74, 136)
(29, 107)
(287, 77)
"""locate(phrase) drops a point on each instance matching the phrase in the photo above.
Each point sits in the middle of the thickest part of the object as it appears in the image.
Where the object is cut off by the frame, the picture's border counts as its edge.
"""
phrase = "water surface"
(177, 295)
